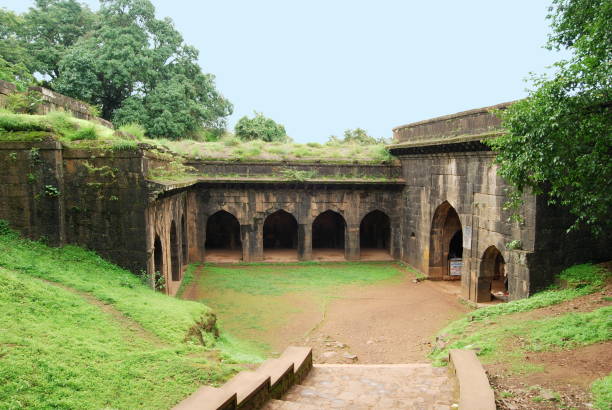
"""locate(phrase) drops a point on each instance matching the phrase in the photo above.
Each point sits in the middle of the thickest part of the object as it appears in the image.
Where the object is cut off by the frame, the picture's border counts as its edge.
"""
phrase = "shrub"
(85, 133)
(260, 127)
(25, 103)
(134, 129)
(314, 144)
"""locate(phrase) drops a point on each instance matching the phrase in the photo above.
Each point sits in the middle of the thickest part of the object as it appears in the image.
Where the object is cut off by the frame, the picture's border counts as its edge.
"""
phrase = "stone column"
(256, 239)
(304, 242)
(351, 243)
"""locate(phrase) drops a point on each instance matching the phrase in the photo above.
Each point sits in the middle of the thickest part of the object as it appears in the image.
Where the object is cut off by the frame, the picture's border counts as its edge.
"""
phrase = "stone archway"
(375, 236)
(158, 260)
(223, 243)
(175, 260)
(184, 245)
(328, 236)
(492, 275)
(280, 237)
(446, 243)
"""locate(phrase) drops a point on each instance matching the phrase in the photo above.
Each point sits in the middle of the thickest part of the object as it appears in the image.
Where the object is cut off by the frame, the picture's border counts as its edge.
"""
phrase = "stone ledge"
(475, 392)
(250, 390)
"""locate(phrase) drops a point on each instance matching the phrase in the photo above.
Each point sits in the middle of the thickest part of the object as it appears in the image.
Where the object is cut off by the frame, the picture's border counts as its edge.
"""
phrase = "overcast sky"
(320, 67)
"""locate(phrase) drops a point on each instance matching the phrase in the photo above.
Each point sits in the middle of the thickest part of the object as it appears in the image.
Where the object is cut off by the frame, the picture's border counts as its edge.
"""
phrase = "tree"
(559, 139)
(260, 127)
(138, 69)
(50, 28)
(356, 136)
(14, 58)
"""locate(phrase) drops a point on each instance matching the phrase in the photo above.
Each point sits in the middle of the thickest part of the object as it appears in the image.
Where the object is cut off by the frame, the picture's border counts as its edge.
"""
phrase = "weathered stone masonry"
(443, 203)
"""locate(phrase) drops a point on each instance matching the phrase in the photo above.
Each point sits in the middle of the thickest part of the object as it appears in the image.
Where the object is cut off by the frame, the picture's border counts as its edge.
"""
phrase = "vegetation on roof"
(77, 133)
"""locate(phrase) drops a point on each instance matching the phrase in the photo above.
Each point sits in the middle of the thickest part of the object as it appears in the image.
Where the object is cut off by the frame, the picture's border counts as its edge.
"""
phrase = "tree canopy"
(136, 67)
(559, 139)
(260, 127)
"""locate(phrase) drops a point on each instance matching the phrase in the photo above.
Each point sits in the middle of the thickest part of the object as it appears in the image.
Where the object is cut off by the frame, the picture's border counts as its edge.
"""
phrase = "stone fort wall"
(444, 190)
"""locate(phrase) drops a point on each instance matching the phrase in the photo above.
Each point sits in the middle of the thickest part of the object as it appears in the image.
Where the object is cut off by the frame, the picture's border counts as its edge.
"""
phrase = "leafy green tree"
(50, 28)
(260, 127)
(559, 139)
(138, 69)
(355, 136)
(12, 46)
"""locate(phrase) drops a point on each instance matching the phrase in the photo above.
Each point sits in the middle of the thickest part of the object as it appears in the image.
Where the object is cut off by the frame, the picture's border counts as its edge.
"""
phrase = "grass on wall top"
(77, 133)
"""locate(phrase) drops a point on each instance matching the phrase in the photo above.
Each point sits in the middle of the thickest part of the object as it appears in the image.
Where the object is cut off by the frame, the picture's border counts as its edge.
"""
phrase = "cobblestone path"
(357, 387)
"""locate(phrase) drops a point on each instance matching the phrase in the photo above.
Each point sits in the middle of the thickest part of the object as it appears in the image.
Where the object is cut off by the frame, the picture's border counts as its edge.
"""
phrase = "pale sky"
(320, 67)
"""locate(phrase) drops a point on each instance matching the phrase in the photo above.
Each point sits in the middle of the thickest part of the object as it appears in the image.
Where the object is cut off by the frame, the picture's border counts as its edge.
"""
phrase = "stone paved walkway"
(356, 387)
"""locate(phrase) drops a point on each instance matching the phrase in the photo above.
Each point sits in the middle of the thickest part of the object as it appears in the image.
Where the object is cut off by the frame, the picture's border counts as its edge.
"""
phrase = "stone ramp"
(384, 386)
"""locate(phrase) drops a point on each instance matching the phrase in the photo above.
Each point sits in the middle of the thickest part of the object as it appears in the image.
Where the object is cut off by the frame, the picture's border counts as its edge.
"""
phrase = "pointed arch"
(223, 242)
(158, 261)
(328, 230)
(375, 233)
(280, 235)
(184, 244)
(492, 272)
(328, 236)
(175, 262)
(446, 242)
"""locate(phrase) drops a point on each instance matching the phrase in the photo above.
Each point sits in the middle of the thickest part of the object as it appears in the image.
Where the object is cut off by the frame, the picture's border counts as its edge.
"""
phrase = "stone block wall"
(472, 122)
(388, 171)
(252, 204)
(468, 182)
(94, 198)
(105, 200)
(52, 101)
(32, 189)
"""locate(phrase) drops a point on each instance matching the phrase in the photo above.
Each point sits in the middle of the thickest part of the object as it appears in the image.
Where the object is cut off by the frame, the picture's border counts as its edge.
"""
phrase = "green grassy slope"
(502, 335)
(79, 332)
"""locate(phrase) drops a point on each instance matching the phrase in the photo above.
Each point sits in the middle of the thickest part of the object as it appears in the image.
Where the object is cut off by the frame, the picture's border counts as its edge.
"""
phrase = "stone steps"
(412, 386)
(253, 389)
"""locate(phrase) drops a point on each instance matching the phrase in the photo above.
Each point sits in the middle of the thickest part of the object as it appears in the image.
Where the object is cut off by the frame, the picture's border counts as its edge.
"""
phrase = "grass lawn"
(264, 302)
(79, 332)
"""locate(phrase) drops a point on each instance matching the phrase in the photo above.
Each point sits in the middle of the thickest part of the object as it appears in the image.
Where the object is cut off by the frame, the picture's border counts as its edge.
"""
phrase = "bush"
(24, 103)
(260, 127)
(85, 133)
(134, 129)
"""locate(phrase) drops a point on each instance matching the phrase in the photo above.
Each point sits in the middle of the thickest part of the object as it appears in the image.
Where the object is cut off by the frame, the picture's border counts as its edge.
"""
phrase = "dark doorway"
(174, 254)
(375, 235)
(280, 236)
(446, 243)
(223, 242)
(158, 260)
(492, 279)
(184, 244)
(328, 236)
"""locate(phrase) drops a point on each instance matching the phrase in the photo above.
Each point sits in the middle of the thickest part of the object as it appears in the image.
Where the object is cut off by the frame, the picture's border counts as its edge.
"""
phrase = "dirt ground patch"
(556, 379)
(388, 321)
(563, 383)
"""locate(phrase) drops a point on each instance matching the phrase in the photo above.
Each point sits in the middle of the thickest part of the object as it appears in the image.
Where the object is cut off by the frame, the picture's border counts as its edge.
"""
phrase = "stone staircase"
(400, 386)
(292, 382)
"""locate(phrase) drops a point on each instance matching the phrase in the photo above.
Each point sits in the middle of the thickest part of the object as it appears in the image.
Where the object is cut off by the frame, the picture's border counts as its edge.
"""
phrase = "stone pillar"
(351, 246)
(304, 242)
(256, 239)
(247, 237)
(196, 228)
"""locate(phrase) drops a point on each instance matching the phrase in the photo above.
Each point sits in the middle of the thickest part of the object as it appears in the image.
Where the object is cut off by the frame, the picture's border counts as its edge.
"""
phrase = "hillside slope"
(79, 332)
(552, 350)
